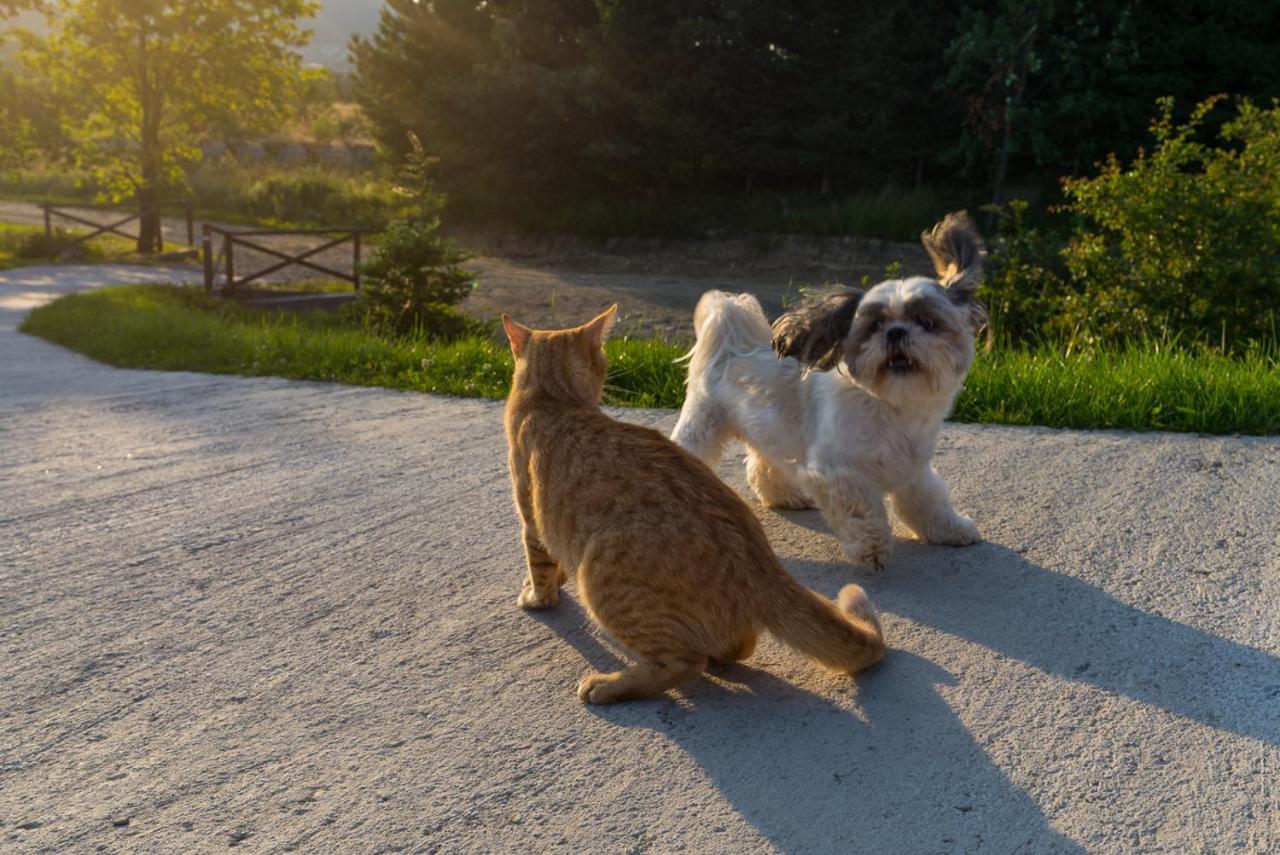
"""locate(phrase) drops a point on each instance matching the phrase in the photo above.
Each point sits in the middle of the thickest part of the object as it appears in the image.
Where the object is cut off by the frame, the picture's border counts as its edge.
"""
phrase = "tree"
(414, 278)
(501, 91)
(1052, 86)
(142, 81)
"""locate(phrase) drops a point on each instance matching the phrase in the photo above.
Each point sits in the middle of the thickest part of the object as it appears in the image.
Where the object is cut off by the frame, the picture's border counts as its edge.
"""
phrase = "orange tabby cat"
(668, 558)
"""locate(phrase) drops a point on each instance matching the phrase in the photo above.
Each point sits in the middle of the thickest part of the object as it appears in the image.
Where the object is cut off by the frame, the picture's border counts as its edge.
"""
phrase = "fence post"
(227, 245)
(355, 266)
(206, 246)
(48, 231)
(191, 224)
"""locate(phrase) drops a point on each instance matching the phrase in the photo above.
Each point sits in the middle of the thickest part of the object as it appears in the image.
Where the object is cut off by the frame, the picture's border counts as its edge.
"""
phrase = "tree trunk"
(150, 234)
(1011, 107)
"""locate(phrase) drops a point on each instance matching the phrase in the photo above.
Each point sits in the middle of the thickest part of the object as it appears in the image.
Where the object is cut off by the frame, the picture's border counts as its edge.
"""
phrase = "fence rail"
(65, 212)
(224, 263)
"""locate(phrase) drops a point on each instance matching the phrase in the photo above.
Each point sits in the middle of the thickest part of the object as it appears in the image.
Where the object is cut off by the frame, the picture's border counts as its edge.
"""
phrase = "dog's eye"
(927, 323)
(875, 327)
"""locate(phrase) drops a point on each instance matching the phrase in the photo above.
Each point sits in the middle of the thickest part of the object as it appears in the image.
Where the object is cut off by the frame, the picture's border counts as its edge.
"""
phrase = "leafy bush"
(1182, 244)
(1025, 283)
(1187, 238)
(414, 276)
(48, 184)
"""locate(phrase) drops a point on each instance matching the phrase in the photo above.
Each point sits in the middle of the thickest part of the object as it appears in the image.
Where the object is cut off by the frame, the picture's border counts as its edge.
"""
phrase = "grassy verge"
(182, 329)
(22, 245)
(1135, 388)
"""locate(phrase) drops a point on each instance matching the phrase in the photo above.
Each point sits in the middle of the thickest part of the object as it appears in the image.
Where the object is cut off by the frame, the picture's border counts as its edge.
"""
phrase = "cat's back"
(606, 473)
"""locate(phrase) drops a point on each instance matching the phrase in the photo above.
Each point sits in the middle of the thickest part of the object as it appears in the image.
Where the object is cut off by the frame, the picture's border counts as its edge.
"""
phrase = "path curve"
(281, 616)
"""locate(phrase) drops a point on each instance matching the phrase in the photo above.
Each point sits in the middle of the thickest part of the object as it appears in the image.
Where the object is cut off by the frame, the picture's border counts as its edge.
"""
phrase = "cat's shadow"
(885, 767)
(889, 764)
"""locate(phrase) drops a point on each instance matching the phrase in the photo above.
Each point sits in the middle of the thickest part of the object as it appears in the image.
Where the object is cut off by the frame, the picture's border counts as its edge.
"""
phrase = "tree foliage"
(566, 98)
(141, 82)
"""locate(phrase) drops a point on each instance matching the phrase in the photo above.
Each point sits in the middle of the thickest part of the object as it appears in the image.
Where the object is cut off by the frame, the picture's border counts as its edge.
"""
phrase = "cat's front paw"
(598, 689)
(957, 530)
(531, 598)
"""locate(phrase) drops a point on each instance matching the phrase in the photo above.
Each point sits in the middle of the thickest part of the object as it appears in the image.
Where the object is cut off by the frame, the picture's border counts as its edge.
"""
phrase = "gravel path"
(281, 616)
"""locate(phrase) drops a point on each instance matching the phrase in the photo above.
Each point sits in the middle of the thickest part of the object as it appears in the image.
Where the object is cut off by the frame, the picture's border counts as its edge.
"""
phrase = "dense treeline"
(564, 99)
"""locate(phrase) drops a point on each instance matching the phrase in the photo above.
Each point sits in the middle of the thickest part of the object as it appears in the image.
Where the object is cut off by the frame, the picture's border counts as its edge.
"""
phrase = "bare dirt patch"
(555, 282)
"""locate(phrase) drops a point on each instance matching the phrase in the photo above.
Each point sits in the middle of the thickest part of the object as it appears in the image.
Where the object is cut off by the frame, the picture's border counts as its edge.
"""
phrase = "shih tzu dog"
(849, 409)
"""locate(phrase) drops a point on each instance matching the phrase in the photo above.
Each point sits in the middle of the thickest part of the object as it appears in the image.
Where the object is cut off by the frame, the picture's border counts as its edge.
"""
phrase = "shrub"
(1184, 240)
(1181, 245)
(414, 276)
(30, 244)
(1025, 283)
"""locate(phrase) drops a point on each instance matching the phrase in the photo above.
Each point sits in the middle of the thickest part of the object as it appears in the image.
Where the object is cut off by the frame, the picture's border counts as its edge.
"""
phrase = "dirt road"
(281, 616)
(551, 282)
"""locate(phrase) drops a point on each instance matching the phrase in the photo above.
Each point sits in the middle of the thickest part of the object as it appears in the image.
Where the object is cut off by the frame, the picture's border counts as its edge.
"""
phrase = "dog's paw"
(867, 553)
(790, 502)
(959, 530)
(533, 599)
(597, 689)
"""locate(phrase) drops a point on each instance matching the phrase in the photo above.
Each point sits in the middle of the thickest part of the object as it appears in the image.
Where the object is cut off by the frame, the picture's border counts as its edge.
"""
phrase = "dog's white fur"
(845, 438)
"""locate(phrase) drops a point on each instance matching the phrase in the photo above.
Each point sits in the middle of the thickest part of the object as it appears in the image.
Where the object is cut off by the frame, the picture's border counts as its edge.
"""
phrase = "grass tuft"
(1141, 386)
(22, 245)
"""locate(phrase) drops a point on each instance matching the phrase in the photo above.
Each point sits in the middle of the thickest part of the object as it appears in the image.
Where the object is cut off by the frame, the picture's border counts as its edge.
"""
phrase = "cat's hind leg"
(645, 678)
(742, 649)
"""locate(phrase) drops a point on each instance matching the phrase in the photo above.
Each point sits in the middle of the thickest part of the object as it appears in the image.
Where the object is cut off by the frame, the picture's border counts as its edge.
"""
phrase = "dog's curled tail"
(843, 636)
(724, 324)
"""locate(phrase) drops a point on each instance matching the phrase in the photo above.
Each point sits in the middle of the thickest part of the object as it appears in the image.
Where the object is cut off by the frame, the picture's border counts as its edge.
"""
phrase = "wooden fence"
(69, 212)
(223, 264)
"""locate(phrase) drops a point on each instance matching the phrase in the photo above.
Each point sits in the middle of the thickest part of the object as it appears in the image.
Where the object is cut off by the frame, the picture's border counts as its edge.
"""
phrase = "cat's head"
(565, 363)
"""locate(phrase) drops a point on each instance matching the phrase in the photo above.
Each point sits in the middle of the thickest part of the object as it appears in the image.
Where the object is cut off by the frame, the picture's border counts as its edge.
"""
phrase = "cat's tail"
(724, 324)
(843, 636)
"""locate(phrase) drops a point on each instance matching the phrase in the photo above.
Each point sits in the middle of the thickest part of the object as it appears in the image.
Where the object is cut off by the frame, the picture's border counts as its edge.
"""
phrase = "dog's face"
(905, 338)
(909, 338)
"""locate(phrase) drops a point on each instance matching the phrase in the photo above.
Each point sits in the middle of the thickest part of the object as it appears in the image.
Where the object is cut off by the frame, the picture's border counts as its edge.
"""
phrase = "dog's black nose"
(896, 334)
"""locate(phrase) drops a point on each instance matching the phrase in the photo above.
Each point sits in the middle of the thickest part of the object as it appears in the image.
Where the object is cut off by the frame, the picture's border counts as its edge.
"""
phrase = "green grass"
(182, 329)
(1138, 387)
(304, 286)
(22, 245)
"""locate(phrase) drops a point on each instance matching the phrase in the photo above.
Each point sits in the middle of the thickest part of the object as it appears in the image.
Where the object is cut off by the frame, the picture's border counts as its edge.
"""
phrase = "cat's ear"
(517, 334)
(599, 328)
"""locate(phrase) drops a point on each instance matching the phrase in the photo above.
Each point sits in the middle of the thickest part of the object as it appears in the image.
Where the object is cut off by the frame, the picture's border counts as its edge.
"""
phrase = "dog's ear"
(814, 331)
(958, 254)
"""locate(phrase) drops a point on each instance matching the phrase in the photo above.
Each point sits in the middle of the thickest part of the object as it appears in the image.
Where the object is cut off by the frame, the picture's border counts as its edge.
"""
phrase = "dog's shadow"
(890, 767)
(995, 597)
